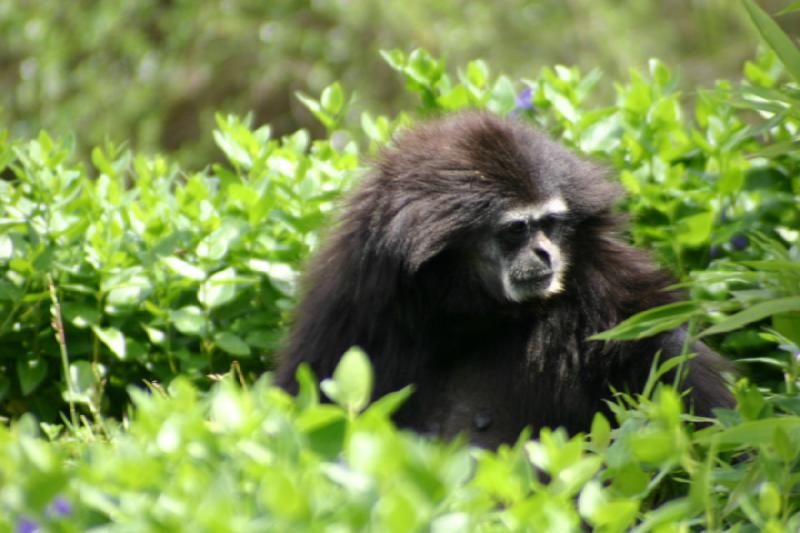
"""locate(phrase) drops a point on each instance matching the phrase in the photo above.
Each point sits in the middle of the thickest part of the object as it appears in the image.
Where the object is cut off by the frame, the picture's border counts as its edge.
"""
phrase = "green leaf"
(751, 433)
(189, 320)
(616, 515)
(651, 322)
(155, 335)
(325, 426)
(80, 316)
(755, 313)
(783, 446)
(83, 380)
(695, 230)
(113, 338)
(653, 446)
(423, 68)
(6, 248)
(394, 58)
(127, 288)
(219, 289)
(351, 385)
(386, 406)
(477, 73)
(503, 97)
(231, 343)
(101, 163)
(30, 372)
(775, 38)
(215, 245)
(791, 8)
(769, 499)
(332, 98)
(601, 432)
(184, 269)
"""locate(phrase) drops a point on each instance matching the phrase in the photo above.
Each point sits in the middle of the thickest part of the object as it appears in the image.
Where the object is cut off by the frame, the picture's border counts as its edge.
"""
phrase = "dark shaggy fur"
(394, 278)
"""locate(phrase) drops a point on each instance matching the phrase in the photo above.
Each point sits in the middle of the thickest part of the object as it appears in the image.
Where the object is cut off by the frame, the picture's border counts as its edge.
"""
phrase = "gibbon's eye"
(514, 228)
(550, 223)
(514, 231)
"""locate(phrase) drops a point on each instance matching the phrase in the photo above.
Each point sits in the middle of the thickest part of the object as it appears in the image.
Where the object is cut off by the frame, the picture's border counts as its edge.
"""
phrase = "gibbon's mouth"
(535, 279)
(530, 286)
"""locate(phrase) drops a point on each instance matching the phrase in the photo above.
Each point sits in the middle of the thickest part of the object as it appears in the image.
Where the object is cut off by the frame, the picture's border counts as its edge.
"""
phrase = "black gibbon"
(474, 261)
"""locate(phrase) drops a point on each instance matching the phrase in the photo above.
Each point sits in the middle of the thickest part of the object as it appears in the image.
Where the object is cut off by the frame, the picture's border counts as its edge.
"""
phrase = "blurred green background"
(153, 72)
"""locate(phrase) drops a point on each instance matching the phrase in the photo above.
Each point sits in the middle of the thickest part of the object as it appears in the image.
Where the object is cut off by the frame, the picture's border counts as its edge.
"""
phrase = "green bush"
(159, 272)
(258, 460)
(156, 272)
(133, 270)
(153, 73)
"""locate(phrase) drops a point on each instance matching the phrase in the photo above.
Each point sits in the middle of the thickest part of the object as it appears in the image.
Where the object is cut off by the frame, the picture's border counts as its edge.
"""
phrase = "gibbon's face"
(522, 256)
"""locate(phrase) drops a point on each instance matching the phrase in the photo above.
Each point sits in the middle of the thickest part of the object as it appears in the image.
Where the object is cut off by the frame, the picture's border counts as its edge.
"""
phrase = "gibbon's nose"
(543, 255)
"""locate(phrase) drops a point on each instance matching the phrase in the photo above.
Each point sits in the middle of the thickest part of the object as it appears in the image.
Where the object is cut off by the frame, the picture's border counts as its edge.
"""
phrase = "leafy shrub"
(157, 272)
(258, 460)
(136, 270)
(153, 73)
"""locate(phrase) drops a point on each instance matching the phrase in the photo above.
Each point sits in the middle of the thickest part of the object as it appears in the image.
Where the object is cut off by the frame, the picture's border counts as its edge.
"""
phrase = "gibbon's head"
(496, 192)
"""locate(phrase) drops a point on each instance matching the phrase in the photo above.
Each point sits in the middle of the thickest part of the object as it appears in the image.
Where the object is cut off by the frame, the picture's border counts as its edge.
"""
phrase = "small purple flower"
(61, 506)
(26, 525)
(739, 242)
(714, 251)
(524, 99)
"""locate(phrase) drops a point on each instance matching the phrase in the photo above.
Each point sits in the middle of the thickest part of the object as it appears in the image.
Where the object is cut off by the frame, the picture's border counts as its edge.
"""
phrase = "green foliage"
(258, 460)
(158, 272)
(129, 269)
(153, 73)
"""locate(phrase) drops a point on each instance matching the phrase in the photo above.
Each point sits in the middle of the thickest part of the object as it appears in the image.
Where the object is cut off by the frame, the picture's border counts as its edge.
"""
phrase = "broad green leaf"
(6, 247)
(155, 335)
(616, 515)
(783, 446)
(332, 98)
(351, 384)
(477, 72)
(182, 268)
(30, 372)
(755, 313)
(219, 289)
(601, 432)
(325, 427)
(128, 290)
(113, 338)
(215, 246)
(189, 320)
(653, 447)
(281, 275)
(503, 97)
(695, 230)
(769, 500)
(231, 343)
(80, 316)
